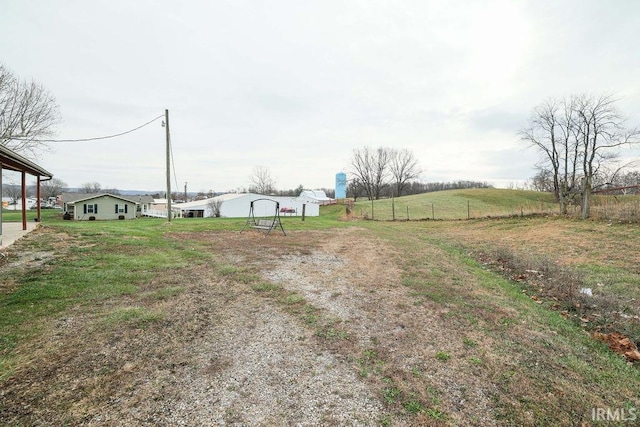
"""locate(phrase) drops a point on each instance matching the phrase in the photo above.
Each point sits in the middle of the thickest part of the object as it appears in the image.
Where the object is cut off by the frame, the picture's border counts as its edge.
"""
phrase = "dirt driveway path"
(315, 328)
(336, 339)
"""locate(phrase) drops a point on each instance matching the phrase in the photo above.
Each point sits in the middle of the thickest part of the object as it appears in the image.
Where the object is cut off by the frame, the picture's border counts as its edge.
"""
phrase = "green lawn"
(460, 204)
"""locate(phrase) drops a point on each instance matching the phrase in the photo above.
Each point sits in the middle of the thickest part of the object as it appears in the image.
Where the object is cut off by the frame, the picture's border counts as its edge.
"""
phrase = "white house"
(103, 206)
(144, 202)
(235, 205)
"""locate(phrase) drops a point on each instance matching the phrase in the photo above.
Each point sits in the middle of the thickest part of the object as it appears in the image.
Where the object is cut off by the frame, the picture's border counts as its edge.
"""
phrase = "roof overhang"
(13, 161)
(99, 196)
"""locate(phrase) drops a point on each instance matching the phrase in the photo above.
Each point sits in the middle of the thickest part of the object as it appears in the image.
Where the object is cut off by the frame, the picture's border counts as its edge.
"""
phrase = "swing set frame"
(262, 224)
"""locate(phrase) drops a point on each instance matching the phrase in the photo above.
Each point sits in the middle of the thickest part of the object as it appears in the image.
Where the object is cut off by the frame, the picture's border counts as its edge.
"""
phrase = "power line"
(91, 139)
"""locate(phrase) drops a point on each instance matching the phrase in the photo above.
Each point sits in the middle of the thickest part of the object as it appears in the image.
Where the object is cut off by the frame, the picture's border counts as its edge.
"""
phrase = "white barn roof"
(315, 196)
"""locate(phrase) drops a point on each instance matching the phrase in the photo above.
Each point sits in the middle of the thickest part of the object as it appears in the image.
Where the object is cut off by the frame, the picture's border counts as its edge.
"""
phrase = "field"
(493, 202)
(476, 322)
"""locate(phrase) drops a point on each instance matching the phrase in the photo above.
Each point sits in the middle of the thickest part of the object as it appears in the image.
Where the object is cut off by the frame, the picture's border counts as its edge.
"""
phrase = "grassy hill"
(491, 202)
(459, 204)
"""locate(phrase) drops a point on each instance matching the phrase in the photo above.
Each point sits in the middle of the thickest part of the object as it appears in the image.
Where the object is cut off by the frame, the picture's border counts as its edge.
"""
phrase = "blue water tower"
(341, 185)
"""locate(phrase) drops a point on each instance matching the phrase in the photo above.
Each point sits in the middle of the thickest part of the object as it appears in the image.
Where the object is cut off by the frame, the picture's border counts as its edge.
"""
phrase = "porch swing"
(264, 225)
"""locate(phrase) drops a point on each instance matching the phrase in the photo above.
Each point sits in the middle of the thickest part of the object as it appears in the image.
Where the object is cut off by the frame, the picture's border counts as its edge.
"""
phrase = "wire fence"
(602, 208)
(615, 209)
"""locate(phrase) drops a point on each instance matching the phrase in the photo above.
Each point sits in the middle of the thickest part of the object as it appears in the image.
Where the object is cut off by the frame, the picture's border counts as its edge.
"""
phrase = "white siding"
(238, 205)
(106, 208)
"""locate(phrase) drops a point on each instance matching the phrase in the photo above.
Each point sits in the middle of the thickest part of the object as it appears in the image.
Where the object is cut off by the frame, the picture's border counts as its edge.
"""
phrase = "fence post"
(433, 212)
(393, 208)
(407, 212)
(468, 210)
(371, 209)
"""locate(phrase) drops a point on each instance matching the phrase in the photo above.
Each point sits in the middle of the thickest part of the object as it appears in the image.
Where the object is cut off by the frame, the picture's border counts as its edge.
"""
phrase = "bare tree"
(113, 191)
(215, 205)
(354, 189)
(28, 113)
(371, 169)
(262, 181)
(552, 131)
(403, 167)
(541, 134)
(13, 192)
(91, 187)
(52, 187)
(627, 182)
(543, 181)
(576, 136)
(600, 133)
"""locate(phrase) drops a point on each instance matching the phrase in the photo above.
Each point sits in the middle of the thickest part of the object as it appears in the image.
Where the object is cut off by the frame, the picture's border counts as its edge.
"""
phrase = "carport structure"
(10, 160)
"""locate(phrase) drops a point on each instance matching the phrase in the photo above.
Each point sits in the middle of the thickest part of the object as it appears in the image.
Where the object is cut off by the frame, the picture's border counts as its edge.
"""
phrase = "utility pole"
(166, 119)
(185, 192)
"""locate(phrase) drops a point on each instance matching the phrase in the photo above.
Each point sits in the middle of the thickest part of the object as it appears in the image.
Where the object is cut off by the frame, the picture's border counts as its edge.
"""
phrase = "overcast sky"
(296, 86)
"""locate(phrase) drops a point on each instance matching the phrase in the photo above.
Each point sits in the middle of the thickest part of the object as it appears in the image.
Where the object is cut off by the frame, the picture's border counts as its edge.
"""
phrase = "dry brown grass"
(556, 258)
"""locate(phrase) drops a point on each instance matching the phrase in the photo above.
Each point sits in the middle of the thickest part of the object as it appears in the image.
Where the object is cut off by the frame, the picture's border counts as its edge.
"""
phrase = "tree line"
(52, 188)
(383, 171)
(390, 172)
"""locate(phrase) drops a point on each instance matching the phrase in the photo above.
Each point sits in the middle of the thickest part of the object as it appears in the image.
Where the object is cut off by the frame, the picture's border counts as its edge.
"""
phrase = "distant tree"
(90, 187)
(13, 192)
(330, 192)
(427, 187)
(354, 189)
(629, 180)
(215, 206)
(52, 188)
(262, 181)
(626, 182)
(403, 167)
(615, 174)
(294, 192)
(371, 169)
(543, 181)
(113, 191)
(28, 113)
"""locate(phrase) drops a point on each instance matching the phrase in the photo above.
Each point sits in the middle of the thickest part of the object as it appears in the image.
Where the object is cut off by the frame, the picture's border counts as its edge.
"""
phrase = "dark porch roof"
(11, 160)
(15, 162)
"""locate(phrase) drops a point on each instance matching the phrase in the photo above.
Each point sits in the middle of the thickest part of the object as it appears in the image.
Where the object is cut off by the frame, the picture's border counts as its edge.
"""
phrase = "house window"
(122, 208)
(90, 209)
